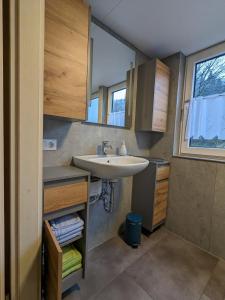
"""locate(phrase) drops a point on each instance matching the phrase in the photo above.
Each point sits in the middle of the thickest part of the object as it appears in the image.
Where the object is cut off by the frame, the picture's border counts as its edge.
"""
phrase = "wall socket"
(49, 144)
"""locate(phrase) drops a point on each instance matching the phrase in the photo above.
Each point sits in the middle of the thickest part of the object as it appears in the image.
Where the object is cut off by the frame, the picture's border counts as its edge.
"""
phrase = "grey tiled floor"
(164, 267)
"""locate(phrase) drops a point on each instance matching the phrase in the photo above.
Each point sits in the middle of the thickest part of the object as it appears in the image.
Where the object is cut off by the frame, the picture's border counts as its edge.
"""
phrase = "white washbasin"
(111, 166)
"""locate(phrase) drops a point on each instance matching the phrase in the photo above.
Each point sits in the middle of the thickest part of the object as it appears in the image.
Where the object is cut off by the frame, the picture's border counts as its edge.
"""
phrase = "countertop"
(61, 173)
(156, 160)
(159, 161)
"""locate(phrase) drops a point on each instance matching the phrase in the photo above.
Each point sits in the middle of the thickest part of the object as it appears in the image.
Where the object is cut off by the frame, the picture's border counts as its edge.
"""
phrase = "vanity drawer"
(162, 173)
(63, 196)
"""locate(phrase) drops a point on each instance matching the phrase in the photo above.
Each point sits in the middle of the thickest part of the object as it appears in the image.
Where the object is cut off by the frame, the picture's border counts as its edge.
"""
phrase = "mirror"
(112, 66)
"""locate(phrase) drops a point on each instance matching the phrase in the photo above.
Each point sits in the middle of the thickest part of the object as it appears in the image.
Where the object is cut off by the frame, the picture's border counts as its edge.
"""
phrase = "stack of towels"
(67, 227)
(71, 260)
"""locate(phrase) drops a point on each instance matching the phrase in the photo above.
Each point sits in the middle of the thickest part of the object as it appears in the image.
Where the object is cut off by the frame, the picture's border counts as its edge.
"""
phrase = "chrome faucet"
(105, 147)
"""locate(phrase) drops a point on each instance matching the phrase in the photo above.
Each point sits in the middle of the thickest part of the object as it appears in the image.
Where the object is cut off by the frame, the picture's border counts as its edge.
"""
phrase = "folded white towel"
(63, 240)
(65, 221)
(62, 231)
(70, 235)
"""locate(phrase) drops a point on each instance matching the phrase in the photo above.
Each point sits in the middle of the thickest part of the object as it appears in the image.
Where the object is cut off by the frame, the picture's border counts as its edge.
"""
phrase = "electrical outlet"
(49, 144)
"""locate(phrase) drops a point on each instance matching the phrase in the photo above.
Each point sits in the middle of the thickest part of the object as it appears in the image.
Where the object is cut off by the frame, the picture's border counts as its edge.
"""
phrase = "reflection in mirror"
(112, 72)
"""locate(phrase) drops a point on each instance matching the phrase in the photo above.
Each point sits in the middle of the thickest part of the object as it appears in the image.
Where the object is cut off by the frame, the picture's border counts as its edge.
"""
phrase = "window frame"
(191, 62)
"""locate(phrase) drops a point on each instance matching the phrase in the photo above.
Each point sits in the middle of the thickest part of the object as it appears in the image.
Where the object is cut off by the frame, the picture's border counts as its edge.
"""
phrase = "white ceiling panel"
(163, 27)
(101, 8)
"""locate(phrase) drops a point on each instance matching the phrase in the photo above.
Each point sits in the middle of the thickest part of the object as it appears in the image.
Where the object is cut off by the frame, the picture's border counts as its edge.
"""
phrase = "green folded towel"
(71, 270)
(69, 265)
(70, 252)
(71, 260)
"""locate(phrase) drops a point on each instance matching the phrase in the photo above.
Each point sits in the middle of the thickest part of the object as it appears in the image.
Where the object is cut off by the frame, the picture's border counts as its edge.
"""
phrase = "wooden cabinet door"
(54, 265)
(161, 95)
(152, 96)
(66, 58)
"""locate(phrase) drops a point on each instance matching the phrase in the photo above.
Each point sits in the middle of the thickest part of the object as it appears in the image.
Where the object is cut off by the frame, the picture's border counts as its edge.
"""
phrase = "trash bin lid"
(132, 217)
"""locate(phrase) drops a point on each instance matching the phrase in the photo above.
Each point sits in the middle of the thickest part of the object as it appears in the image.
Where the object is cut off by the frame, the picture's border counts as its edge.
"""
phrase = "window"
(93, 108)
(203, 121)
(117, 104)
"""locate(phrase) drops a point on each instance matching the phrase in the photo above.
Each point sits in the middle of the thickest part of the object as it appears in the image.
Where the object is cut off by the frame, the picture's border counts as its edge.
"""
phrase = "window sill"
(201, 158)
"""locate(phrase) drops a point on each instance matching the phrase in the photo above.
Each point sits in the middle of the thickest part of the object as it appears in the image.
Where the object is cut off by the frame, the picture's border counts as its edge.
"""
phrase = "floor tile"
(215, 289)
(118, 252)
(122, 288)
(164, 267)
(173, 270)
(109, 260)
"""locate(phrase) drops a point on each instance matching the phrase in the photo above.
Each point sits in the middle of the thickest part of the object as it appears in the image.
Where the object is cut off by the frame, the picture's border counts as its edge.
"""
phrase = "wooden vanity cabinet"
(65, 191)
(152, 96)
(150, 194)
(66, 58)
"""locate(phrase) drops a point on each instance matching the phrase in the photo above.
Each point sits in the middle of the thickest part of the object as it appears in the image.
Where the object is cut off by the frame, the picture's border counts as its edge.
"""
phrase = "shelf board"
(71, 240)
(72, 279)
(64, 211)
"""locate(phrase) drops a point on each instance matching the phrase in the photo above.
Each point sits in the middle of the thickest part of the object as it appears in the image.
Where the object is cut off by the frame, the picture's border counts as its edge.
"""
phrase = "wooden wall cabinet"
(66, 58)
(150, 194)
(152, 96)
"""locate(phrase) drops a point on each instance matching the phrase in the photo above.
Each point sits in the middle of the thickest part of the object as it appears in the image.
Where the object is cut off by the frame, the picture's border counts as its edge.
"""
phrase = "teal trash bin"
(133, 229)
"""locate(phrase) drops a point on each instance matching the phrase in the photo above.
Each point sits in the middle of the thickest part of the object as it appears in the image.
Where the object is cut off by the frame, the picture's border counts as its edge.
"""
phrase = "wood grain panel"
(59, 197)
(159, 216)
(66, 58)
(161, 187)
(161, 93)
(54, 265)
(160, 202)
(162, 205)
(160, 198)
(162, 172)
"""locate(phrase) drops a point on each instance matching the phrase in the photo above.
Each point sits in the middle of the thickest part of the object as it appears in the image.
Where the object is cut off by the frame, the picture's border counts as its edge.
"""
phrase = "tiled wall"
(197, 203)
(197, 188)
(79, 139)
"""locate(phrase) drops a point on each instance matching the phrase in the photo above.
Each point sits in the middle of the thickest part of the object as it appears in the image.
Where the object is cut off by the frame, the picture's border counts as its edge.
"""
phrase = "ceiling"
(163, 27)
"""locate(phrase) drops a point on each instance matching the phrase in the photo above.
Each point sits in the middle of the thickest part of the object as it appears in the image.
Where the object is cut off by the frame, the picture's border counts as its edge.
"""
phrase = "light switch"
(49, 144)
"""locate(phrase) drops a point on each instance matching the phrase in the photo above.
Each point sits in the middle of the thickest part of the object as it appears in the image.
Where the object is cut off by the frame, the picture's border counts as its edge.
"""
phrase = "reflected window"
(119, 101)
(117, 105)
(93, 110)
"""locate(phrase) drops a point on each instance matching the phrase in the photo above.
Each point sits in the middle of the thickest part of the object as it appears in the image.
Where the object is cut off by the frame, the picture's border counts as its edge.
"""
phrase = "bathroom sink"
(111, 166)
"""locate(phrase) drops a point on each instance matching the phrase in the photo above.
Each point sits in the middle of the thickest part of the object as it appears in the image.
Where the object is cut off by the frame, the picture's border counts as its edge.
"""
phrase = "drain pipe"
(106, 193)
